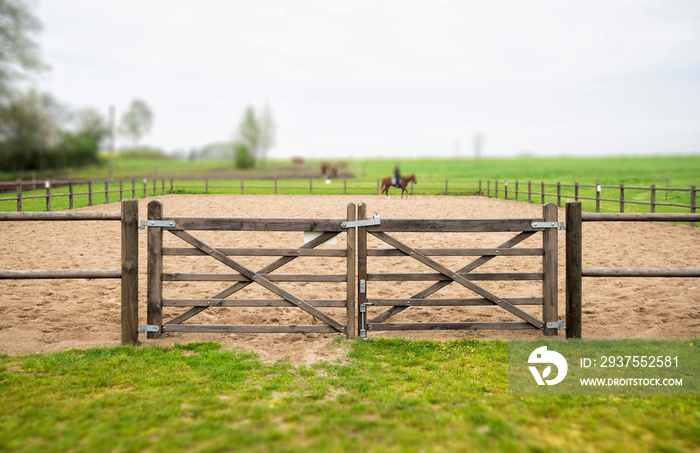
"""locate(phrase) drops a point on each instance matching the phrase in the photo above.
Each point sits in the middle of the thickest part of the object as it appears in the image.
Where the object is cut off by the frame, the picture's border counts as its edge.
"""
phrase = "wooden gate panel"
(246, 276)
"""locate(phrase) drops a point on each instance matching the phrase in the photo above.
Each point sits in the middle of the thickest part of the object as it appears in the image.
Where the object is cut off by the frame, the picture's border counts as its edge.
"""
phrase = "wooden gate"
(244, 276)
(525, 228)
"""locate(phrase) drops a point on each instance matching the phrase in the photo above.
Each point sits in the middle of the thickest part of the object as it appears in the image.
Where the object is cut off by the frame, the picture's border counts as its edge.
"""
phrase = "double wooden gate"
(356, 275)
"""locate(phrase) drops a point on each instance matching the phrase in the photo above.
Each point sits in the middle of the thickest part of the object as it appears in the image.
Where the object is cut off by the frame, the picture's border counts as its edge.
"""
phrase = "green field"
(462, 177)
(387, 395)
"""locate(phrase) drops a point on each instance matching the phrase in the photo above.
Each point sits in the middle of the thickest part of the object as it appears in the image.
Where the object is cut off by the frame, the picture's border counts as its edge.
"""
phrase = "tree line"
(37, 132)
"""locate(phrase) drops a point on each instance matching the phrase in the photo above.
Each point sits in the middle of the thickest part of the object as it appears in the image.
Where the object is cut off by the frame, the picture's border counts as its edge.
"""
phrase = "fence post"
(154, 271)
(361, 261)
(573, 269)
(350, 262)
(70, 194)
(576, 191)
(542, 194)
(693, 202)
(90, 193)
(345, 186)
(488, 189)
(529, 191)
(378, 187)
(241, 186)
(652, 196)
(47, 184)
(162, 186)
(505, 196)
(446, 187)
(171, 186)
(155, 182)
(206, 186)
(130, 272)
(516, 190)
(480, 187)
(311, 186)
(19, 195)
(597, 198)
(622, 198)
(106, 192)
(145, 181)
(121, 190)
(496, 189)
(559, 194)
(550, 289)
(275, 186)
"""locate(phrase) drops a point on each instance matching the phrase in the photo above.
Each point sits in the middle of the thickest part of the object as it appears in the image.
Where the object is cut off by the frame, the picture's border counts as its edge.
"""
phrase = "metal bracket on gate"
(363, 286)
(556, 325)
(148, 328)
(363, 320)
(559, 225)
(362, 223)
(156, 223)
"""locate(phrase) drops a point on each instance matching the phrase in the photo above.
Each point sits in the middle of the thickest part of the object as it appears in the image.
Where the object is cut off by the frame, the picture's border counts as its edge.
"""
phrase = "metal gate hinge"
(148, 328)
(362, 223)
(556, 325)
(559, 225)
(156, 223)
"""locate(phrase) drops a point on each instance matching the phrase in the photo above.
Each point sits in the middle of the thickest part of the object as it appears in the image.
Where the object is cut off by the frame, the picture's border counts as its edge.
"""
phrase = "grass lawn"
(388, 395)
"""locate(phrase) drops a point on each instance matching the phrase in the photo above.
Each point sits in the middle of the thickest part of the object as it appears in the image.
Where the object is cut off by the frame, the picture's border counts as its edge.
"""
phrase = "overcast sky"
(379, 78)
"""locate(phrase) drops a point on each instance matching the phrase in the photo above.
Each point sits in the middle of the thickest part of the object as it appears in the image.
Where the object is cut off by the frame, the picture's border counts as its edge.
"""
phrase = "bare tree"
(137, 121)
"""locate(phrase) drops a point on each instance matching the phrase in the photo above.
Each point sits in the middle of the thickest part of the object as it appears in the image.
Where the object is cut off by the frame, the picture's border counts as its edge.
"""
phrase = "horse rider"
(397, 177)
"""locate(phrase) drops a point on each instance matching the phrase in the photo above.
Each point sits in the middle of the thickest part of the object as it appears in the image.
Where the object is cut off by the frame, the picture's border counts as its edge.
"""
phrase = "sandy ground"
(52, 315)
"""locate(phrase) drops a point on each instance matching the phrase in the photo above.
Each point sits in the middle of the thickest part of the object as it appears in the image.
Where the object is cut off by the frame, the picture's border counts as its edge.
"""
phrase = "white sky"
(379, 78)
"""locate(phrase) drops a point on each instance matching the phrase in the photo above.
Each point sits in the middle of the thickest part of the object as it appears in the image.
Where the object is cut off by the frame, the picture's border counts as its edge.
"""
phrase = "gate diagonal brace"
(240, 285)
(260, 279)
(459, 279)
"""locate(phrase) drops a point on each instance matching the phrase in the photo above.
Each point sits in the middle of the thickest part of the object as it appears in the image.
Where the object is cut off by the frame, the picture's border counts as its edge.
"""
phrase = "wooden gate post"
(549, 268)
(573, 269)
(154, 272)
(130, 272)
(361, 261)
(351, 237)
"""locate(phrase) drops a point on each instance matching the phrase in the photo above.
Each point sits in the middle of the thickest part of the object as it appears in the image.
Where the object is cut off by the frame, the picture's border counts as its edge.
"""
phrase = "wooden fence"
(244, 276)
(464, 276)
(533, 192)
(129, 259)
(574, 258)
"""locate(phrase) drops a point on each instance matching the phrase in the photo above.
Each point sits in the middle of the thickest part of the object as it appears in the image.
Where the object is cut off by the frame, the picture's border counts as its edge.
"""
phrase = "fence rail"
(128, 273)
(616, 197)
(574, 258)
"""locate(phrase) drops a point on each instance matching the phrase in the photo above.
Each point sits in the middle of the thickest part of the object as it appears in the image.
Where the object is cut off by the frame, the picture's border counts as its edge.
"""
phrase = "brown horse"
(386, 183)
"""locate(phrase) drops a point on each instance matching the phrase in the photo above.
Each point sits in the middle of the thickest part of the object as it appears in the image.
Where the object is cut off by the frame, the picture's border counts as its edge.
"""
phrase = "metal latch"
(363, 286)
(156, 223)
(363, 320)
(362, 223)
(148, 328)
(556, 325)
(559, 225)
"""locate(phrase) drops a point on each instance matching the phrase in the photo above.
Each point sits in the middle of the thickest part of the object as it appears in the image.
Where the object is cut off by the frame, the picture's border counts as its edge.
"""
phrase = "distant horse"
(386, 183)
(329, 169)
(298, 160)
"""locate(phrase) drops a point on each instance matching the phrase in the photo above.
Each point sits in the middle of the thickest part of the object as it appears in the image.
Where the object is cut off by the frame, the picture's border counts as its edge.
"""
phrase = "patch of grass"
(389, 395)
